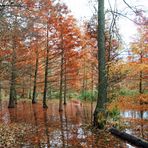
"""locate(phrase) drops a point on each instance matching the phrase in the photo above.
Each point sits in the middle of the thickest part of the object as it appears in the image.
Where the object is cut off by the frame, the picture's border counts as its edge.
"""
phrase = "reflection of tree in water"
(78, 114)
(0, 110)
(13, 114)
(141, 125)
(36, 123)
(87, 115)
(92, 109)
(0, 104)
(46, 128)
(62, 130)
(66, 124)
(0, 92)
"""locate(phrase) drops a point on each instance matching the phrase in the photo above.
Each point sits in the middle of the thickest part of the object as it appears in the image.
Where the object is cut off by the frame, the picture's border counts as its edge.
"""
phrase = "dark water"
(71, 128)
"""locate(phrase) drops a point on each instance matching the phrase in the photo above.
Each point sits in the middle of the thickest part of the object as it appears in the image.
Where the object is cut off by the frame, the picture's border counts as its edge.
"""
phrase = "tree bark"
(65, 82)
(100, 110)
(46, 73)
(61, 80)
(35, 79)
(0, 90)
(140, 80)
(61, 72)
(12, 94)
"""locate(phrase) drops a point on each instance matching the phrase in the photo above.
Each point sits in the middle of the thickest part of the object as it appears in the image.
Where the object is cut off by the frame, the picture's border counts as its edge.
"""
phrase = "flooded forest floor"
(31, 126)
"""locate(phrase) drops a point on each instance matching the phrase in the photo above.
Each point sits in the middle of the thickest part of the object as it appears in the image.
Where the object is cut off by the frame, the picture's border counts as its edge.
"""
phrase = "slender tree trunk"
(50, 90)
(140, 80)
(84, 82)
(92, 84)
(108, 62)
(12, 94)
(0, 90)
(30, 88)
(140, 83)
(61, 81)
(35, 79)
(100, 110)
(61, 72)
(46, 74)
(65, 83)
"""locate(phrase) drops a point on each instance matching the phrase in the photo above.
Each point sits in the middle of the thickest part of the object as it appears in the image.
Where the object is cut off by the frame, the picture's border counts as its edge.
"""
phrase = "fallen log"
(129, 138)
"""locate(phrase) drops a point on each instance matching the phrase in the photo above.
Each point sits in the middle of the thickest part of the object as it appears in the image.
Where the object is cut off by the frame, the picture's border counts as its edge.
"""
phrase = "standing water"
(30, 126)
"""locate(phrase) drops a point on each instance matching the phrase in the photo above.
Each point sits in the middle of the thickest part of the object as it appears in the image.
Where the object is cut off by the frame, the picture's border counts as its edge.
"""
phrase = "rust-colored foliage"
(44, 50)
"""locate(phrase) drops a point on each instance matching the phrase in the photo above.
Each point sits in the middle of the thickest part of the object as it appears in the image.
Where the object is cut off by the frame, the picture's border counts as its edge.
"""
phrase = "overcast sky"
(81, 10)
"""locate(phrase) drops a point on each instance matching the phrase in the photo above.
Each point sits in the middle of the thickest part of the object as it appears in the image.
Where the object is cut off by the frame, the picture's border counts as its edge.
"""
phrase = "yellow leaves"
(143, 98)
(116, 68)
(134, 68)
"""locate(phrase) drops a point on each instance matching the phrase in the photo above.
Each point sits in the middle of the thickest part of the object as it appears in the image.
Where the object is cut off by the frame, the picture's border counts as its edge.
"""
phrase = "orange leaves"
(137, 102)
(29, 3)
(5, 53)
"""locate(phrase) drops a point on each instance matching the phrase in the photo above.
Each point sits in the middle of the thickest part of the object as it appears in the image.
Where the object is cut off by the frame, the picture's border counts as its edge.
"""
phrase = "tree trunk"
(84, 81)
(140, 80)
(92, 84)
(0, 90)
(46, 74)
(65, 83)
(30, 86)
(12, 95)
(61, 81)
(35, 79)
(100, 110)
(61, 72)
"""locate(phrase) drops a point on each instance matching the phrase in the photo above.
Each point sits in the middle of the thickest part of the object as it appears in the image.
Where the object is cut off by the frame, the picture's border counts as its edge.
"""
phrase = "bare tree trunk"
(30, 89)
(84, 81)
(12, 94)
(35, 79)
(92, 83)
(0, 90)
(65, 83)
(140, 80)
(100, 110)
(46, 73)
(61, 81)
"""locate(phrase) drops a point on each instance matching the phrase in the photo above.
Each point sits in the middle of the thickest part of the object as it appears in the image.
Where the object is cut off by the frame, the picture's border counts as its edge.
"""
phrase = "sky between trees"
(82, 9)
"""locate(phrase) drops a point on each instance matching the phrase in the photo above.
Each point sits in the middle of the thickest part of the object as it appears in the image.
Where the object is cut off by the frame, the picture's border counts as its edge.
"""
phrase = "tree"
(100, 110)
(139, 57)
(46, 72)
(35, 77)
